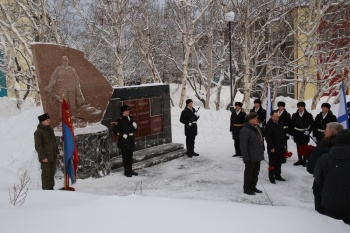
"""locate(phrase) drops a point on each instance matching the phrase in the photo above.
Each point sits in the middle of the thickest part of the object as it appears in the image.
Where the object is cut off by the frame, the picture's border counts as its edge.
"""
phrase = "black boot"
(299, 162)
(279, 178)
(194, 153)
(189, 154)
(304, 161)
(257, 190)
(134, 173)
(272, 176)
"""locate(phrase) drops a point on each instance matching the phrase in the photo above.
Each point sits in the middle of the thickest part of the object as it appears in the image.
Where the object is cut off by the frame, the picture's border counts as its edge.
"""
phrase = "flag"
(268, 104)
(343, 114)
(70, 148)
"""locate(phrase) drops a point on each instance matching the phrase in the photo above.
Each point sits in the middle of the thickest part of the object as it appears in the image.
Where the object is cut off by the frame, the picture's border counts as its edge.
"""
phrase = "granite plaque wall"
(150, 108)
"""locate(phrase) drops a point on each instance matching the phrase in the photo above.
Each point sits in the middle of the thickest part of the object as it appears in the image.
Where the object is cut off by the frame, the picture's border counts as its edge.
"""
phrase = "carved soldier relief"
(64, 71)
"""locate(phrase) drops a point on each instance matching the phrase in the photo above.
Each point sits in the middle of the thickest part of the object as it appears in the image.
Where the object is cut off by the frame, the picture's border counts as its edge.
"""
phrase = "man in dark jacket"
(301, 127)
(236, 124)
(325, 145)
(276, 146)
(125, 130)
(189, 117)
(284, 120)
(321, 120)
(261, 114)
(332, 174)
(46, 146)
(252, 149)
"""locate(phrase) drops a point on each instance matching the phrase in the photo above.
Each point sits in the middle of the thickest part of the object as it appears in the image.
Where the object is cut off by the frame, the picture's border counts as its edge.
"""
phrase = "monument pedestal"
(94, 157)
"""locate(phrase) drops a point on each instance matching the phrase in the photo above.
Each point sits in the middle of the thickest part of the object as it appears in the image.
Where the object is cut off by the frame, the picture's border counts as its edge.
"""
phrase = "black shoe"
(236, 155)
(298, 163)
(257, 190)
(272, 181)
(249, 192)
(304, 164)
(127, 174)
(134, 173)
(279, 178)
(195, 154)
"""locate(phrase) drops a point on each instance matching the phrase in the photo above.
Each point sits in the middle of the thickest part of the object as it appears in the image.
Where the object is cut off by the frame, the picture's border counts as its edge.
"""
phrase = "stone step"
(155, 160)
(147, 154)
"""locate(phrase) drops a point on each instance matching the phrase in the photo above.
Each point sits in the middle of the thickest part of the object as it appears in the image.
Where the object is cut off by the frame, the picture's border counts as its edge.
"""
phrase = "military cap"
(281, 103)
(257, 101)
(238, 104)
(44, 117)
(188, 101)
(124, 108)
(301, 104)
(327, 105)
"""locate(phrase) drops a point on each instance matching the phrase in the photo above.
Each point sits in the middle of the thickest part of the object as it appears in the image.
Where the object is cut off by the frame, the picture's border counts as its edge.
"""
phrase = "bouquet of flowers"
(305, 150)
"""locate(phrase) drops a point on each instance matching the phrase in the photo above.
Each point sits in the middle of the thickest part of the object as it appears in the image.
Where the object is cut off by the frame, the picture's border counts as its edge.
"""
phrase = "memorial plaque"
(156, 124)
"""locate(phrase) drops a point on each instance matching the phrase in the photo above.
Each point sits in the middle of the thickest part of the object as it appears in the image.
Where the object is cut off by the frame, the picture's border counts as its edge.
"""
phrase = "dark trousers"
(318, 206)
(127, 155)
(48, 175)
(251, 173)
(344, 217)
(237, 148)
(275, 164)
(190, 143)
(301, 158)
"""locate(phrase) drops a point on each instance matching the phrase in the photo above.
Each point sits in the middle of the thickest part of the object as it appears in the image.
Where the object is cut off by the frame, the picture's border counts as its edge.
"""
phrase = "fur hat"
(124, 108)
(250, 116)
(238, 104)
(43, 117)
(327, 105)
(281, 103)
(343, 137)
(188, 101)
(257, 101)
(301, 104)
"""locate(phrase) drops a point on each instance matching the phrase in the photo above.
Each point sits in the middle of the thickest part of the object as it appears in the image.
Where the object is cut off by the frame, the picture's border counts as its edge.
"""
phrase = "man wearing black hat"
(46, 146)
(125, 130)
(237, 121)
(261, 113)
(284, 120)
(301, 127)
(189, 117)
(252, 149)
(333, 177)
(321, 121)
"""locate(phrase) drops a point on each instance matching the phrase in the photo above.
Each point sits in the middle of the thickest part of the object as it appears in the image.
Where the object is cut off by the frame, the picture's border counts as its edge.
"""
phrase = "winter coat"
(45, 143)
(324, 147)
(320, 124)
(251, 143)
(188, 116)
(275, 137)
(261, 115)
(285, 121)
(236, 123)
(124, 126)
(332, 173)
(301, 124)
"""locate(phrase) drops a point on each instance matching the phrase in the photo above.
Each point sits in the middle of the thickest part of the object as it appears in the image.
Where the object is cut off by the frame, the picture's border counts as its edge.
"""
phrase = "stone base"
(94, 158)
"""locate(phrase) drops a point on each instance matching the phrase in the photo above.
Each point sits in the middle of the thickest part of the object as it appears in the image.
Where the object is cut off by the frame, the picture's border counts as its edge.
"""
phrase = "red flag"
(70, 147)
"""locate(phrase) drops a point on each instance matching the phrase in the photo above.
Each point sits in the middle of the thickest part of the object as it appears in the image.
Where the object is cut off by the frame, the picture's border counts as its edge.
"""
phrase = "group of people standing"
(329, 161)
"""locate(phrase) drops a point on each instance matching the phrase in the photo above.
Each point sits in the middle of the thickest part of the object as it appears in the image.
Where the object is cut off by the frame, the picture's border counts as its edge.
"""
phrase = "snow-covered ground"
(199, 194)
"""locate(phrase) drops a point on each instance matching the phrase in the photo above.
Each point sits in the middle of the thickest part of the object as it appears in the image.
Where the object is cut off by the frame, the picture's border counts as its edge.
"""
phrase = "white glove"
(131, 134)
(306, 132)
(134, 124)
(189, 124)
(196, 113)
(260, 125)
(125, 136)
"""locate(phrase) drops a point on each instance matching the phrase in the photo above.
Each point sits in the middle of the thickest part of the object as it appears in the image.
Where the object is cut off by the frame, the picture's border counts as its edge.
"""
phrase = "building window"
(290, 74)
(281, 90)
(290, 89)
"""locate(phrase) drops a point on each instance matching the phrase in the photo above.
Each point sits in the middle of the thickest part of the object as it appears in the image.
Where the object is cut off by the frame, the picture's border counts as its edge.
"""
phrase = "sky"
(198, 194)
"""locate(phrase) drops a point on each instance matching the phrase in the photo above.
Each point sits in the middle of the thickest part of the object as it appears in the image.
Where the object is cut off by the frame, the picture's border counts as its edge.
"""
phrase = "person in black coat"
(236, 124)
(284, 120)
(261, 114)
(276, 146)
(325, 145)
(321, 120)
(332, 174)
(252, 149)
(189, 117)
(301, 127)
(125, 130)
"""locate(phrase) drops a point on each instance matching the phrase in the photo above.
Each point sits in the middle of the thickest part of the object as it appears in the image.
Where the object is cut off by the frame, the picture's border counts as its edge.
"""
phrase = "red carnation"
(305, 150)
(288, 154)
